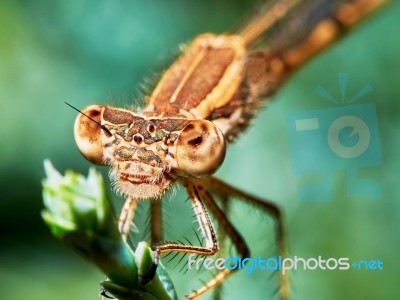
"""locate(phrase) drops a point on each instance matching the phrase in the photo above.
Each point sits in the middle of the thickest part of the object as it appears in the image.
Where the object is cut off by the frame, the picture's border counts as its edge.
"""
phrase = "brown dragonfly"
(203, 102)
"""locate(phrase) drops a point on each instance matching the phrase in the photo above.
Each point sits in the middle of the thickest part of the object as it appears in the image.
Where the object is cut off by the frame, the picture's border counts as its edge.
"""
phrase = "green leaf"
(78, 211)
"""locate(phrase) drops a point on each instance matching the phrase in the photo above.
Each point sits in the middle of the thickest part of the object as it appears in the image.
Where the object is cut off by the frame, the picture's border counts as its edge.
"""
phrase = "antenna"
(101, 126)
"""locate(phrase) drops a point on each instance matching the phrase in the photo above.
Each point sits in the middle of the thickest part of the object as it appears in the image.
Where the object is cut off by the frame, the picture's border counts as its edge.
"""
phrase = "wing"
(221, 78)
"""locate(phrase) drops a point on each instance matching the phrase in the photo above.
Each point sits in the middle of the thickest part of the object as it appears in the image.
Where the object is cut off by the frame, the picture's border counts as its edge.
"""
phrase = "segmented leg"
(126, 217)
(228, 228)
(223, 252)
(220, 188)
(124, 224)
(206, 227)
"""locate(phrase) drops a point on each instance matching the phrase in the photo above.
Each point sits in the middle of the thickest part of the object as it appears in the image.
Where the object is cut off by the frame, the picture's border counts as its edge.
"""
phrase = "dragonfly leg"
(221, 188)
(206, 227)
(229, 230)
(126, 217)
(223, 252)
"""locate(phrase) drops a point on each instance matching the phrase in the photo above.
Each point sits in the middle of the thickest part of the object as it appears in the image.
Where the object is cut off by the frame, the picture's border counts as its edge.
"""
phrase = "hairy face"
(147, 154)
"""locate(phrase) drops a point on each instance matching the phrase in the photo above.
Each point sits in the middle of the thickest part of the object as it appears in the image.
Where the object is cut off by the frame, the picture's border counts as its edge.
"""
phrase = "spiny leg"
(221, 188)
(223, 252)
(126, 217)
(206, 227)
(228, 228)
(126, 220)
(198, 195)
(124, 224)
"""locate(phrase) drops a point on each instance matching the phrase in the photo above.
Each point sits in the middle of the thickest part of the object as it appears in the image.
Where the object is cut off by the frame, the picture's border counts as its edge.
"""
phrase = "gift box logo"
(342, 137)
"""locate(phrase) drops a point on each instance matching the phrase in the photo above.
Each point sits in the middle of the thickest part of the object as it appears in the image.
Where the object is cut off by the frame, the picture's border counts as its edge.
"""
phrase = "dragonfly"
(201, 104)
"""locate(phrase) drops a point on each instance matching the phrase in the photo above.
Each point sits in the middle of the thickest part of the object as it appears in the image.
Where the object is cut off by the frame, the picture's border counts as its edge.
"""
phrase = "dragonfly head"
(147, 154)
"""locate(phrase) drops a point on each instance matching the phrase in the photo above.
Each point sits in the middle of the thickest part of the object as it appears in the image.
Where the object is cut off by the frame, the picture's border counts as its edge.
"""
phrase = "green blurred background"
(88, 52)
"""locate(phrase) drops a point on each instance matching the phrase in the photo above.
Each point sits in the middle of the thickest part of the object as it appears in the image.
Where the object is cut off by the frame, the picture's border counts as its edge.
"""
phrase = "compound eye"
(200, 149)
(88, 134)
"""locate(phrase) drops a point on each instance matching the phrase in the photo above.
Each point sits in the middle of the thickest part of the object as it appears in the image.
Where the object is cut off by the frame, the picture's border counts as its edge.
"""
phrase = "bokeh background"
(89, 52)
